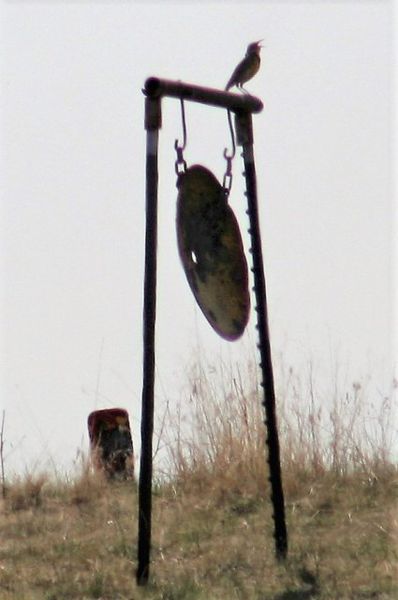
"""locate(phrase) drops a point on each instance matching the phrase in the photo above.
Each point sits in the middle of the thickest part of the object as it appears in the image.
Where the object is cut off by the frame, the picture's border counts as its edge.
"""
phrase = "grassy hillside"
(212, 523)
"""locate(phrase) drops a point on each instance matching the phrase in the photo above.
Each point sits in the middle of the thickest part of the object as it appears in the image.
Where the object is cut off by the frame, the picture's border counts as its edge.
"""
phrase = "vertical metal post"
(244, 131)
(152, 125)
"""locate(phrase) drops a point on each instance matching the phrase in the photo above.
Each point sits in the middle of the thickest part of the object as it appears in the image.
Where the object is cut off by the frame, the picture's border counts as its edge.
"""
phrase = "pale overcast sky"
(73, 196)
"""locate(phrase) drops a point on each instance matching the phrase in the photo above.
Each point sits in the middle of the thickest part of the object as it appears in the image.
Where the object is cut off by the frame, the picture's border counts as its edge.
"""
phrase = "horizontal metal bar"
(155, 88)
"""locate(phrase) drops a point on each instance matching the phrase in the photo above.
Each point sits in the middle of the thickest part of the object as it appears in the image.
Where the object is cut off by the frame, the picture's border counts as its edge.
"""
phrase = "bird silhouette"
(247, 68)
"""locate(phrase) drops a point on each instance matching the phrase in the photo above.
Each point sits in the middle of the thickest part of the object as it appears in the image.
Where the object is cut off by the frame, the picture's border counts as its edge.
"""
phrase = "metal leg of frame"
(152, 124)
(245, 139)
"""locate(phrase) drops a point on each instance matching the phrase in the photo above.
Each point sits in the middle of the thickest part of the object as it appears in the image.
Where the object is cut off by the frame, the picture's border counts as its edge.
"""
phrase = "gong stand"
(242, 106)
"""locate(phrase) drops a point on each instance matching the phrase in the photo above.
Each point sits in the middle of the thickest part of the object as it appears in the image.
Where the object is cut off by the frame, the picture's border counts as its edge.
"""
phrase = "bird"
(247, 68)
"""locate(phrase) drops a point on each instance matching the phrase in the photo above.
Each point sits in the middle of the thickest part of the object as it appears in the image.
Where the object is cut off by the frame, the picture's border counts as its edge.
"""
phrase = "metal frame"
(242, 106)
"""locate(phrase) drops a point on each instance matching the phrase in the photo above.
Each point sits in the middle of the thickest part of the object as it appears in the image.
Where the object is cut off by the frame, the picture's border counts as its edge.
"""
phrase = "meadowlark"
(247, 68)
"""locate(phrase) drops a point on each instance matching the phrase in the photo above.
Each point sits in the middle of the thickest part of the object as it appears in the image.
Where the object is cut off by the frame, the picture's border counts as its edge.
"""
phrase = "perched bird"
(247, 68)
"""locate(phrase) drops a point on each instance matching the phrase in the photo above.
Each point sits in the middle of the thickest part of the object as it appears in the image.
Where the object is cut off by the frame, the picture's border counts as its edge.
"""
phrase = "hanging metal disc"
(211, 251)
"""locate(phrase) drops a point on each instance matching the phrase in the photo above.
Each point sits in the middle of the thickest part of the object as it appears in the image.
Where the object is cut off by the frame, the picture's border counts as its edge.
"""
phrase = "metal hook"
(184, 129)
(181, 165)
(227, 183)
(231, 129)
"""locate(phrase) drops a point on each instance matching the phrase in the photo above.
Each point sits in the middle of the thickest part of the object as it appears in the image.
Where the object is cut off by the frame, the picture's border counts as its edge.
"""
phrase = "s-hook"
(227, 181)
(181, 165)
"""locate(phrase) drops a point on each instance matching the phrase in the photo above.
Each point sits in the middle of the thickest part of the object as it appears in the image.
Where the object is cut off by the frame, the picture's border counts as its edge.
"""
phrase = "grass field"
(212, 522)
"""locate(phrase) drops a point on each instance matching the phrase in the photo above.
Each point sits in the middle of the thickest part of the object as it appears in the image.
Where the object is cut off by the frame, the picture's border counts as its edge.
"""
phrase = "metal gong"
(211, 251)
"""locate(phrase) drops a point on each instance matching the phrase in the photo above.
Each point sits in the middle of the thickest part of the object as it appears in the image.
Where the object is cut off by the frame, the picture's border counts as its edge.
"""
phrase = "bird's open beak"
(259, 44)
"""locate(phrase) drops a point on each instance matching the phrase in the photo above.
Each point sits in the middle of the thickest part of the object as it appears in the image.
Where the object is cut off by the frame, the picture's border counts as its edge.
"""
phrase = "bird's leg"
(242, 89)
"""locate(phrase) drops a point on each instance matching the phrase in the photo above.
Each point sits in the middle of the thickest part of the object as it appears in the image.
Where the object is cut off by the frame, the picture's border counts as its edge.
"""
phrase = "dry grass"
(212, 522)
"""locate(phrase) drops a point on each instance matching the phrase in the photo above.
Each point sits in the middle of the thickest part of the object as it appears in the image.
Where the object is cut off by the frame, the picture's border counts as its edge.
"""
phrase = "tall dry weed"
(216, 434)
(26, 492)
